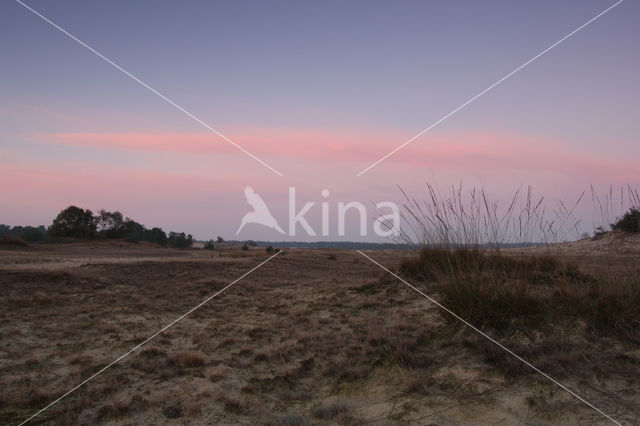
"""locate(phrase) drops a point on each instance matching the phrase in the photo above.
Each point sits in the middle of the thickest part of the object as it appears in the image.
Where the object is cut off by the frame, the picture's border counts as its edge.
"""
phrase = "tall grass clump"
(464, 241)
(472, 218)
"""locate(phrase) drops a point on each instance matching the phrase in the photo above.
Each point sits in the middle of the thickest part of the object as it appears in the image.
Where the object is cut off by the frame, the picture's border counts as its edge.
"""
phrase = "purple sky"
(318, 90)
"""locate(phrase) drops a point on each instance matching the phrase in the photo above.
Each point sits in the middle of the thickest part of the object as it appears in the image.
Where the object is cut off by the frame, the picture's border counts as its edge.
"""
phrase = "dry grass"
(189, 359)
(286, 345)
(494, 290)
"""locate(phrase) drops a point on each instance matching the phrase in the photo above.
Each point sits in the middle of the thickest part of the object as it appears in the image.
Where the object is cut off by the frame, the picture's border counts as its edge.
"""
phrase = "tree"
(132, 230)
(74, 222)
(110, 224)
(245, 247)
(179, 240)
(156, 235)
(220, 240)
(209, 245)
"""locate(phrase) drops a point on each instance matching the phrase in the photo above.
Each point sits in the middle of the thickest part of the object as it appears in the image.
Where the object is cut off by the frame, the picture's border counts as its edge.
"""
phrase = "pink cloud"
(37, 192)
(474, 152)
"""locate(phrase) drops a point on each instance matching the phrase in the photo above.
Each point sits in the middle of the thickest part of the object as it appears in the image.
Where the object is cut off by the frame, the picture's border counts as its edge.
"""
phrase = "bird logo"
(260, 213)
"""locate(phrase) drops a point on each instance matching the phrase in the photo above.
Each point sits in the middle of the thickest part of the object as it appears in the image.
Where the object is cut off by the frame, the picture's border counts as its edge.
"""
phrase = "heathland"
(320, 335)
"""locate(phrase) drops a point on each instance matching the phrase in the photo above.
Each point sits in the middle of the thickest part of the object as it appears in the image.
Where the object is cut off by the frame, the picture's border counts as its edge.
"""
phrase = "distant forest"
(355, 245)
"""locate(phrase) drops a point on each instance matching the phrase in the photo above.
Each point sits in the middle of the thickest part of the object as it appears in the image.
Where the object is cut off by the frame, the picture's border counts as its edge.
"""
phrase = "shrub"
(209, 245)
(630, 222)
(271, 250)
(179, 240)
(32, 235)
(8, 240)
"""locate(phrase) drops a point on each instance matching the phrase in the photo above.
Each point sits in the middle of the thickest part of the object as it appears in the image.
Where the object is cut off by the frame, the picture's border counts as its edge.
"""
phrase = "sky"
(317, 90)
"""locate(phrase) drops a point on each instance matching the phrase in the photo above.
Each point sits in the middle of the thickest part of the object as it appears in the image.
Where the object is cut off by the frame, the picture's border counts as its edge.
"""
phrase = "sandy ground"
(313, 336)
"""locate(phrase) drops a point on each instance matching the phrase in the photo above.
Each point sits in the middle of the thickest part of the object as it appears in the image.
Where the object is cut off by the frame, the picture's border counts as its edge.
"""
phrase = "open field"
(312, 337)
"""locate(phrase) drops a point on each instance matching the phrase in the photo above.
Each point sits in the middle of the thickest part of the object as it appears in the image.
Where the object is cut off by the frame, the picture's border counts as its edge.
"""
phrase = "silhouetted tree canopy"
(29, 234)
(110, 224)
(156, 235)
(630, 222)
(179, 240)
(74, 222)
(132, 230)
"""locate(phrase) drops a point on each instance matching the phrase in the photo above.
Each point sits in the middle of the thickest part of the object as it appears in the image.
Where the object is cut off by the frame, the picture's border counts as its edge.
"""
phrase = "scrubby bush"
(630, 221)
(29, 234)
(9, 241)
(32, 235)
(272, 250)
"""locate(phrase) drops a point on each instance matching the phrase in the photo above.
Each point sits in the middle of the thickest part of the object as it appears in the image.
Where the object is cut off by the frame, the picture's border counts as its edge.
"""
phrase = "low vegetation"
(30, 234)
(630, 222)
(333, 342)
(326, 337)
(509, 293)
(10, 241)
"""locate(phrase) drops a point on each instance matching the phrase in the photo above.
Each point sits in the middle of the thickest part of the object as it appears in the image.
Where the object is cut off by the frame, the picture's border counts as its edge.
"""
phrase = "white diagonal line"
(136, 79)
(121, 357)
(491, 339)
(489, 88)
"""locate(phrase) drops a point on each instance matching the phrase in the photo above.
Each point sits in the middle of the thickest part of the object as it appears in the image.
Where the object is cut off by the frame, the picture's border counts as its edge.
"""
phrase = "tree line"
(75, 222)
(30, 234)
